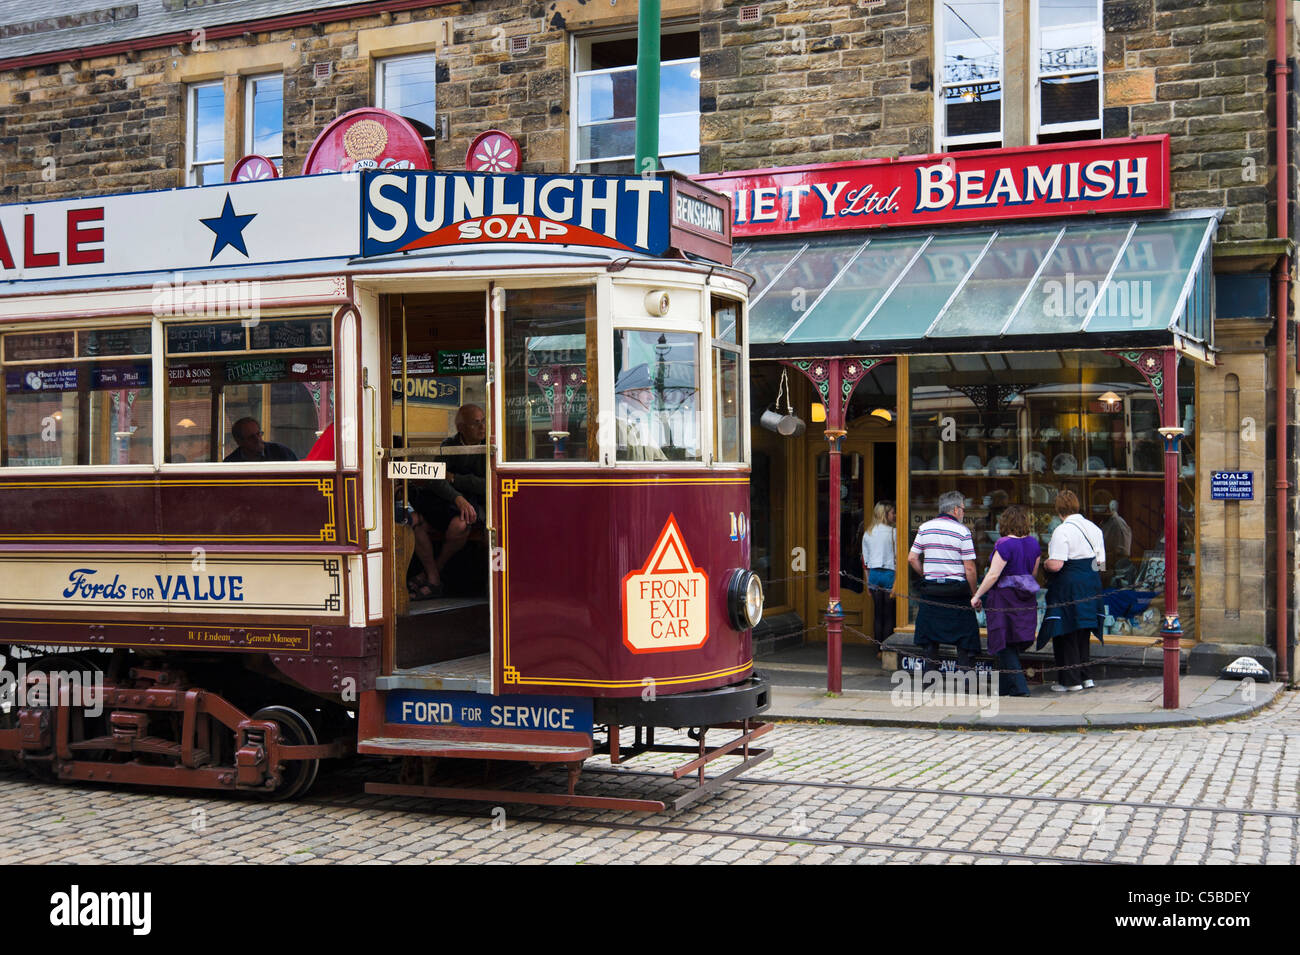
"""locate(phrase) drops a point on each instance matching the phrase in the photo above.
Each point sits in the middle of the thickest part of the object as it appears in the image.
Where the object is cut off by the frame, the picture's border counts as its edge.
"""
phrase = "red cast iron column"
(834, 612)
(835, 379)
(1172, 630)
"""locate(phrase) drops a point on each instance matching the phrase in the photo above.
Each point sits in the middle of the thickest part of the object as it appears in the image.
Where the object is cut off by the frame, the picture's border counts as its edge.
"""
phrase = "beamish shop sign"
(1116, 175)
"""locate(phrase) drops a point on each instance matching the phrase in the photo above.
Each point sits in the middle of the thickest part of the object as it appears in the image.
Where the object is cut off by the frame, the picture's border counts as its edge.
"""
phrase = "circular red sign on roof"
(493, 151)
(367, 139)
(253, 167)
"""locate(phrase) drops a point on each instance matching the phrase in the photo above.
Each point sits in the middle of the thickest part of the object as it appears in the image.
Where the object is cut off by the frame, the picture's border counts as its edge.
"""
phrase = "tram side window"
(656, 395)
(77, 396)
(726, 379)
(278, 372)
(550, 374)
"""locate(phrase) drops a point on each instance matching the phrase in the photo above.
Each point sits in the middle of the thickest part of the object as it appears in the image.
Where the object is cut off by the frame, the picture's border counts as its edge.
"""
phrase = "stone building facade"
(99, 105)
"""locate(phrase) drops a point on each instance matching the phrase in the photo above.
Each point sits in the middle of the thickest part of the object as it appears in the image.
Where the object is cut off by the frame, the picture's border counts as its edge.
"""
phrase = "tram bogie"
(278, 538)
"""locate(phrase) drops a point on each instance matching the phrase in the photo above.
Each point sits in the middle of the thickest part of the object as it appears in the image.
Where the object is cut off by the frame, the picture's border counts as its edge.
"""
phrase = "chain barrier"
(1139, 650)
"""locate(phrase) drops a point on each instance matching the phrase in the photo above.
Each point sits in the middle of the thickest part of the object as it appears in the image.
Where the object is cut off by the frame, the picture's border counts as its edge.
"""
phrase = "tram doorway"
(441, 555)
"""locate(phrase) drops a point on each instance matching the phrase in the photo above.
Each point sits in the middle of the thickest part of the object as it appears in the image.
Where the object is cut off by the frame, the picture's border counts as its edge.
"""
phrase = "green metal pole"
(647, 87)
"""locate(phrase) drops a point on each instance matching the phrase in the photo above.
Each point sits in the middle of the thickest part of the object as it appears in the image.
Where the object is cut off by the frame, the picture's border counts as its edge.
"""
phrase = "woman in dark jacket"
(1012, 602)
(1075, 555)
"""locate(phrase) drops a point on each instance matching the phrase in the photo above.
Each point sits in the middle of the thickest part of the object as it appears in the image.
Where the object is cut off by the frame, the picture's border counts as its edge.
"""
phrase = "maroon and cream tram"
(254, 612)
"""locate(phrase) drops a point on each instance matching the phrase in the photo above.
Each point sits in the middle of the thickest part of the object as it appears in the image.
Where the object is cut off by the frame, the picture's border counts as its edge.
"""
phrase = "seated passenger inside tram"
(454, 506)
(247, 433)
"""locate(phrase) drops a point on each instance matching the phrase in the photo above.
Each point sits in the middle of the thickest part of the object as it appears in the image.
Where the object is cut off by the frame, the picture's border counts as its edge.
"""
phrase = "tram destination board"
(1232, 485)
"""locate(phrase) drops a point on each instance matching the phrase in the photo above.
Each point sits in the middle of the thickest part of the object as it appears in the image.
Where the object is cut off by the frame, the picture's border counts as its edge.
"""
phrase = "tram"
(239, 474)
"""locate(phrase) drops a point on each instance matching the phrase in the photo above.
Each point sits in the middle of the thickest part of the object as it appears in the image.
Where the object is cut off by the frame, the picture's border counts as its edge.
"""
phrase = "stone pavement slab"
(1112, 704)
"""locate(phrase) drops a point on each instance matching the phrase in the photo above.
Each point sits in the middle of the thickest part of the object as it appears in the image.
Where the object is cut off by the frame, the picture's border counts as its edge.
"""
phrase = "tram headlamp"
(657, 303)
(745, 599)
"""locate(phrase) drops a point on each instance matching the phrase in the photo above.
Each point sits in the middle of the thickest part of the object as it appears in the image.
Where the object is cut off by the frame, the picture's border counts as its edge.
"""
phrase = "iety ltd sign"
(1118, 175)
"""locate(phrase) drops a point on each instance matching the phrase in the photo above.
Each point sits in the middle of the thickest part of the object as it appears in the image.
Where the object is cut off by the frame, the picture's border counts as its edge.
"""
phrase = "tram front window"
(550, 374)
(78, 396)
(656, 395)
(279, 372)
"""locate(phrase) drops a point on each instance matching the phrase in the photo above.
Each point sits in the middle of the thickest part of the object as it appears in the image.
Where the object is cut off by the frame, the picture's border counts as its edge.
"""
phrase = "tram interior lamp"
(818, 414)
(785, 423)
(884, 414)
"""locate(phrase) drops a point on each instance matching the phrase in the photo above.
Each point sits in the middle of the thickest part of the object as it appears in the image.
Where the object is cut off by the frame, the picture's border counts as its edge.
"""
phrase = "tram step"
(472, 749)
(472, 674)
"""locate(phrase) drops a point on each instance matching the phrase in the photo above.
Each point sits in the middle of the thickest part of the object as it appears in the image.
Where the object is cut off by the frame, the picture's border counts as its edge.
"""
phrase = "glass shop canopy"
(1078, 283)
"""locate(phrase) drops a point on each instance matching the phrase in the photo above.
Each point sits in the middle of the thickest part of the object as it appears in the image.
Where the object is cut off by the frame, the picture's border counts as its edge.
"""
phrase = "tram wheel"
(294, 731)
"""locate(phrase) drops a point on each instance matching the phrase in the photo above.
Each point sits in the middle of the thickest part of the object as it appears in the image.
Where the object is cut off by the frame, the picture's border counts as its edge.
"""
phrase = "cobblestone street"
(829, 794)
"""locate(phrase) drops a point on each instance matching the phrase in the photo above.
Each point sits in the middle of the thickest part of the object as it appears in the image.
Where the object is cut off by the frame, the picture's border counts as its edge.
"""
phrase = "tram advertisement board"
(113, 583)
(403, 211)
(1116, 175)
(425, 708)
(261, 222)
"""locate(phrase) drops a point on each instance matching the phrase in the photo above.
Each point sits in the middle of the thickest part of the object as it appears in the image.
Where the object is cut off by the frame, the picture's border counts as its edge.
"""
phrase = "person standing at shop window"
(943, 554)
(879, 547)
(1012, 602)
(1076, 554)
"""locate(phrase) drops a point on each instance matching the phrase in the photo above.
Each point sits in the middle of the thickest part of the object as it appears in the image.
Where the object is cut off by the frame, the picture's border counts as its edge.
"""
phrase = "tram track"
(784, 838)
(970, 794)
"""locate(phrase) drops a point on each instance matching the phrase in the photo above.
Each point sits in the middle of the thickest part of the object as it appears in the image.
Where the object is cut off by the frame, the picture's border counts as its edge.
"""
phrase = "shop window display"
(1016, 428)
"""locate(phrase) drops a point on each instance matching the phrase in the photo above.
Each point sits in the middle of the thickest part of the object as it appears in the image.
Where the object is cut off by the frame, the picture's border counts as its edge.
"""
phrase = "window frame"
(497, 380)
(737, 350)
(105, 323)
(582, 44)
(1036, 127)
(381, 64)
(944, 142)
(191, 130)
(162, 357)
(250, 132)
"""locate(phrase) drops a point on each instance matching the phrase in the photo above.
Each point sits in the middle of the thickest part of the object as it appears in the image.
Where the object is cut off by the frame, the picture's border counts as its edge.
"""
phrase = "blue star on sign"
(228, 229)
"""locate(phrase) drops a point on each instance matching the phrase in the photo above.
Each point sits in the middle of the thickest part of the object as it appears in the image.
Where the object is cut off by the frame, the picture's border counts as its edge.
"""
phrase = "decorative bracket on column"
(1150, 364)
(820, 371)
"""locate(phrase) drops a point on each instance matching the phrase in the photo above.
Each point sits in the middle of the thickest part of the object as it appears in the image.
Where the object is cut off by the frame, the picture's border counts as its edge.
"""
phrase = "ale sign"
(665, 603)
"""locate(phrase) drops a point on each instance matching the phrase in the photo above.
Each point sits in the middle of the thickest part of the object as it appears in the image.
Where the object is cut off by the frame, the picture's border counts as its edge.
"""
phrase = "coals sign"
(406, 211)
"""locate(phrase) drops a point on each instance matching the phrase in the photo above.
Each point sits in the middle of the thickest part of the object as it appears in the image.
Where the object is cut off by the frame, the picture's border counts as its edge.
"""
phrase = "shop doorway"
(868, 473)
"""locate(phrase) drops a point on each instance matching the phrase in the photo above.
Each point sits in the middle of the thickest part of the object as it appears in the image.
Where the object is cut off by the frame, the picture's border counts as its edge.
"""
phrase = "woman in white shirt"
(879, 552)
(1076, 554)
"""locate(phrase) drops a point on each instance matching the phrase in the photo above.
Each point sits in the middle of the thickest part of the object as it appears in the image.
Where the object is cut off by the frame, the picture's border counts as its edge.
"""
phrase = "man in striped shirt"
(945, 543)
(944, 554)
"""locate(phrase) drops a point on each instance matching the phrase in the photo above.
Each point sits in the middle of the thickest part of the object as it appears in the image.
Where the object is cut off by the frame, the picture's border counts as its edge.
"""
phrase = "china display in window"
(1017, 428)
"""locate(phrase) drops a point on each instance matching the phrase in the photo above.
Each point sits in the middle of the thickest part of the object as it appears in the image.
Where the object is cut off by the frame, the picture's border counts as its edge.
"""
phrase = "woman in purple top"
(1012, 602)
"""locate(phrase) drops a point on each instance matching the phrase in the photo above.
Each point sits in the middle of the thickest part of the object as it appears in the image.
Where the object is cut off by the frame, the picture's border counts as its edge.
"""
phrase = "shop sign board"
(1232, 485)
(1103, 176)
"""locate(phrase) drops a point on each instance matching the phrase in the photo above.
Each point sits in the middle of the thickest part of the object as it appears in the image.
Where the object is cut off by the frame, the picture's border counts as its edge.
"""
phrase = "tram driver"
(454, 505)
(247, 433)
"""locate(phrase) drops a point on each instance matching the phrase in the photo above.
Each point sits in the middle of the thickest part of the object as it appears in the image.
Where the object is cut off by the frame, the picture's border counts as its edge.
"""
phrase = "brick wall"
(812, 81)
(116, 124)
(815, 81)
